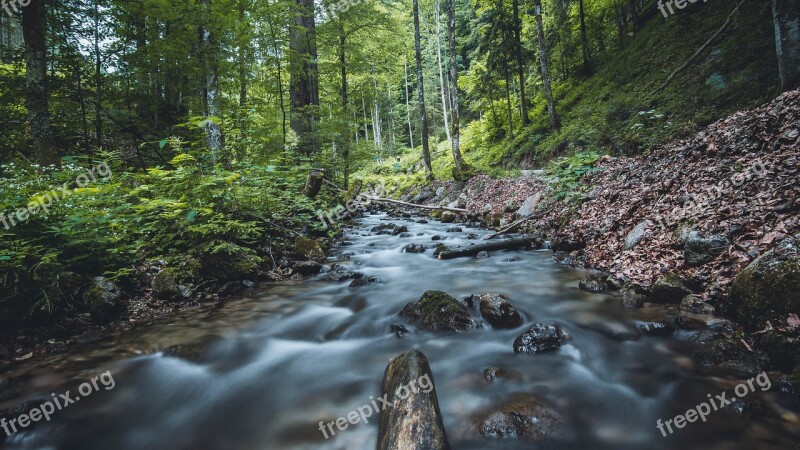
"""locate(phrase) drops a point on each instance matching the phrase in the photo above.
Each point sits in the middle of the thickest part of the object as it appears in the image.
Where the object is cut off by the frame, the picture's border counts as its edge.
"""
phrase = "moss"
(308, 249)
(165, 284)
(769, 287)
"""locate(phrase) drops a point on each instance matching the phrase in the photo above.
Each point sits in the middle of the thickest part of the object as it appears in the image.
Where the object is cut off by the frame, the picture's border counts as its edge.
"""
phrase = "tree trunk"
(786, 14)
(304, 85)
(34, 31)
(441, 72)
(548, 92)
(584, 41)
(460, 165)
(210, 93)
(313, 183)
(523, 102)
(281, 96)
(98, 78)
(242, 54)
(508, 104)
(426, 154)
(408, 108)
(343, 74)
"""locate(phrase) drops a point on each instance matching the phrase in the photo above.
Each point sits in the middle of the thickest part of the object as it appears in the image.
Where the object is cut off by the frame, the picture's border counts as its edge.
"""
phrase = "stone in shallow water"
(523, 416)
(499, 312)
(438, 311)
(540, 338)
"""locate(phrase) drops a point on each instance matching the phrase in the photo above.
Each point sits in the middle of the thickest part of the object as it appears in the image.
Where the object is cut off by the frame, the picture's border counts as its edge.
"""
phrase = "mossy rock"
(783, 350)
(438, 311)
(309, 249)
(769, 287)
(672, 289)
(103, 299)
(165, 284)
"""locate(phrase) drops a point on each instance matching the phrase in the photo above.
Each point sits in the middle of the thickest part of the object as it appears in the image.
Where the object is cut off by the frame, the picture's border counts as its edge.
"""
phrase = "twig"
(332, 184)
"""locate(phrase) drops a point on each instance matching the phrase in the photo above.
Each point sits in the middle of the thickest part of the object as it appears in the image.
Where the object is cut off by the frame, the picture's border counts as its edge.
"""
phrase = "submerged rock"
(492, 374)
(769, 287)
(656, 329)
(414, 248)
(598, 283)
(413, 421)
(540, 338)
(389, 229)
(523, 416)
(498, 311)
(307, 268)
(438, 311)
(337, 272)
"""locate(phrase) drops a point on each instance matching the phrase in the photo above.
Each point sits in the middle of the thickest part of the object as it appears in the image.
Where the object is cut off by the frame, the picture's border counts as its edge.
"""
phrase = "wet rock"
(472, 236)
(189, 352)
(398, 330)
(783, 350)
(699, 250)
(523, 416)
(529, 205)
(670, 289)
(439, 249)
(414, 420)
(729, 355)
(498, 311)
(405, 235)
(309, 249)
(307, 268)
(492, 374)
(104, 300)
(768, 287)
(438, 311)
(436, 237)
(232, 288)
(483, 255)
(422, 221)
(632, 299)
(461, 201)
(635, 236)
(414, 248)
(448, 217)
(695, 304)
(656, 329)
(339, 273)
(540, 338)
(453, 230)
(165, 285)
(389, 229)
(363, 281)
(439, 191)
(598, 283)
(513, 259)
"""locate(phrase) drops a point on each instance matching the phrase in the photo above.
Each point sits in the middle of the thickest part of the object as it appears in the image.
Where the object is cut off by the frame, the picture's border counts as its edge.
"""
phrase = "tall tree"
(304, 77)
(426, 153)
(548, 91)
(34, 32)
(443, 87)
(786, 14)
(210, 90)
(584, 39)
(523, 102)
(460, 169)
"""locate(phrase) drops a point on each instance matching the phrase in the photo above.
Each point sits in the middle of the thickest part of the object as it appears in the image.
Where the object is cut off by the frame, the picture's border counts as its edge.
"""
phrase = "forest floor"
(734, 184)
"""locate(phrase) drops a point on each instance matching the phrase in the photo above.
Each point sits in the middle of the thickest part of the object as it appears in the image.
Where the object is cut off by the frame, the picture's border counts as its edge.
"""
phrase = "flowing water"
(292, 354)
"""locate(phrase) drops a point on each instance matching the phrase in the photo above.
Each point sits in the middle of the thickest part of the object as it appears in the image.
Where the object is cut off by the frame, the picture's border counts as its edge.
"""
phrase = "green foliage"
(565, 175)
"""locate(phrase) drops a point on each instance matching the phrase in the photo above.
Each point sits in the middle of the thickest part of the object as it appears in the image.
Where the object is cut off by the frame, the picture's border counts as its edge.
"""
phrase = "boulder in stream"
(496, 309)
(438, 311)
(412, 420)
(540, 338)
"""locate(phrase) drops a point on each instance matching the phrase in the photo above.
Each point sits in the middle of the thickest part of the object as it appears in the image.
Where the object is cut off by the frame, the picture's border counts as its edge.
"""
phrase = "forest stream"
(268, 367)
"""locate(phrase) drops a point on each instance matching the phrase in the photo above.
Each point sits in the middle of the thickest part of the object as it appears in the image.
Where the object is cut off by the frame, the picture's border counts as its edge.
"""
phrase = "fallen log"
(414, 205)
(508, 244)
(510, 227)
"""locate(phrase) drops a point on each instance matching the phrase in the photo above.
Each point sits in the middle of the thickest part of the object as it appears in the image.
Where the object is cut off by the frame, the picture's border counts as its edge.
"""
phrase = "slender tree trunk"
(377, 132)
(343, 74)
(523, 102)
(34, 31)
(142, 83)
(82, 102)
(786, 14)
(242, 54)
(508, 103)
(460, 165)
(98, 78)
(366, 123)
(281, 95)
(408, 108)
(304, 86)
(584, 40)
(426, 154)
(441, 72)
(548, 92)
(210, 93)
